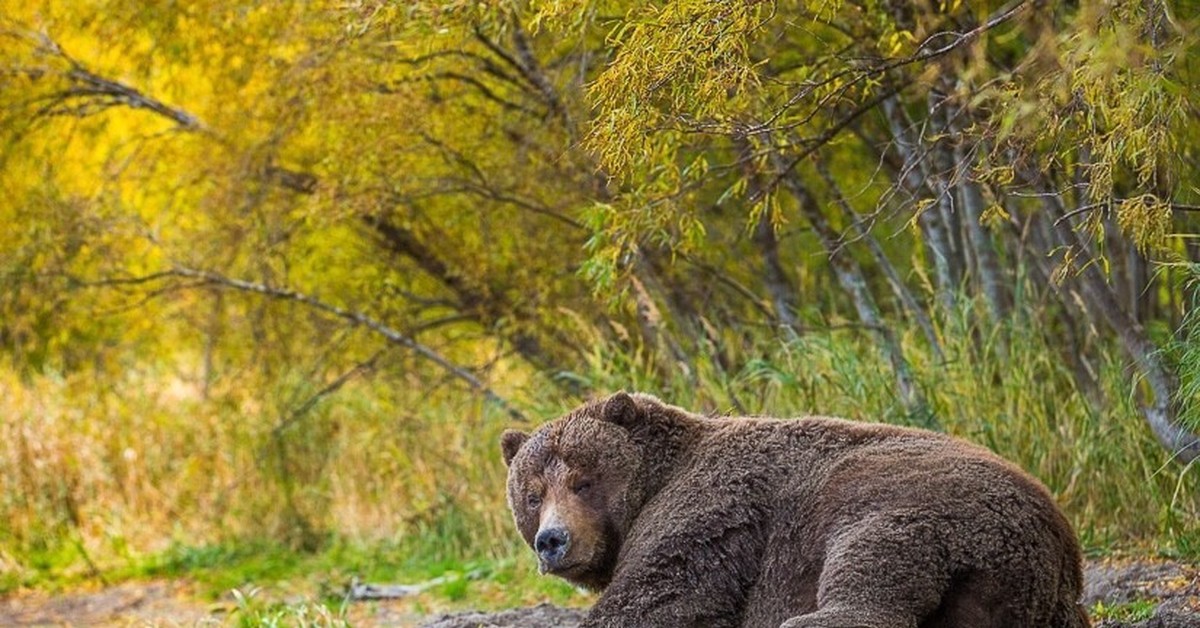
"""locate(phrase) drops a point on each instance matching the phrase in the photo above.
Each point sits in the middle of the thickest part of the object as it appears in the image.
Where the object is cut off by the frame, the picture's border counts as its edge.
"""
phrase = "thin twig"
(1179, 207)
(301, 410)
(821, 140)
(356, 318)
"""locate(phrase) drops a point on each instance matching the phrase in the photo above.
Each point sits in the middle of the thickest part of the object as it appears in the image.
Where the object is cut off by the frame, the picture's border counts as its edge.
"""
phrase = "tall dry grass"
(106, 473)
(96, 471)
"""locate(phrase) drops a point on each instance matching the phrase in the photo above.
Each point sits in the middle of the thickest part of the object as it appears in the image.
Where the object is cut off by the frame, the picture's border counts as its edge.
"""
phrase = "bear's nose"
(551, 545)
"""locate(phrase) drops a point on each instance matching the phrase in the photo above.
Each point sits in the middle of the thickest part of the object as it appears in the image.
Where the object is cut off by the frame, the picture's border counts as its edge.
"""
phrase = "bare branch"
(532, 71)
(1178, 207)
(301, 410)
(470, 81)
(96, 92)
(356, 318)
(85, 93)
(131, 97)
(815, 144)
(459, 186)
(751, 298)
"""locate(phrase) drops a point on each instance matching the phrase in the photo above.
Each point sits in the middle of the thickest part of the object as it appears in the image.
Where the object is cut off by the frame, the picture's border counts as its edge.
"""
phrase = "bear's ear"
(510, 443)
(620, 409)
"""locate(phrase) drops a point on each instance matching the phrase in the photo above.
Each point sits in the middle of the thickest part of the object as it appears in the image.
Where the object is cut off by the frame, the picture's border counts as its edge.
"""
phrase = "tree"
(1012, 113)
(449, 172)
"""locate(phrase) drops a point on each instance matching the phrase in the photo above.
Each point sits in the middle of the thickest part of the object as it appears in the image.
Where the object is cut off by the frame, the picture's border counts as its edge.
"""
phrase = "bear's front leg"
(688, 579)
(866, 584)
(677, 602)
(851, 618)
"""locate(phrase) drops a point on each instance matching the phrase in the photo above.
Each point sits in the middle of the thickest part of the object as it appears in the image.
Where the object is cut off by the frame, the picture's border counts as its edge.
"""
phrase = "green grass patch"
(1136, 610)
(252, 612)
(221, 568)
(257, 575)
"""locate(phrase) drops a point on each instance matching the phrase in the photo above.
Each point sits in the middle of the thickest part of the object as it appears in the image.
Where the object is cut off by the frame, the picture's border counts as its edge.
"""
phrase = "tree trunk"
(938, 167)
(899, 288)
(850, 277)
(936, 238)
(783, 293)
(783, 296)
(970, 197)
(1159, 407)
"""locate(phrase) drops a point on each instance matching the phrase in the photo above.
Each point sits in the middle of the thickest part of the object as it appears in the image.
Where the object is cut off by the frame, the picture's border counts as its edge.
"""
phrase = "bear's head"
(574, 487)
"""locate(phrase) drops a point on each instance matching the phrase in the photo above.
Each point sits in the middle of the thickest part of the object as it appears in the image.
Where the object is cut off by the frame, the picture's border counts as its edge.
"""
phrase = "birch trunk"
(1158, 408)
(936, 238)
(899, 288)
(850, 277)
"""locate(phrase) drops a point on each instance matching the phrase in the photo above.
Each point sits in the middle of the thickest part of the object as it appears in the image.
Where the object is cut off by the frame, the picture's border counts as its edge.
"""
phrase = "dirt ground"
(156, 603)
(1175, 587)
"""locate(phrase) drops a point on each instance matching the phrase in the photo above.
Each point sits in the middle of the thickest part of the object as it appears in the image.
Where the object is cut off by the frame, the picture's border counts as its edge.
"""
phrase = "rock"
(1171, 614)
(1118, 583)
(540, 616)
(1175, 585)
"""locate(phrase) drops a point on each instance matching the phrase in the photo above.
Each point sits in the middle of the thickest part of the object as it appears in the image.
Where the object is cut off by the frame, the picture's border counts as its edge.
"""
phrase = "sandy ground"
(1174, 586)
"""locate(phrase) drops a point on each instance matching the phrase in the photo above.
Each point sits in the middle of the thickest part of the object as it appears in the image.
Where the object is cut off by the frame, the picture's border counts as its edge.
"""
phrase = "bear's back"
(828, 479)
(848, 469)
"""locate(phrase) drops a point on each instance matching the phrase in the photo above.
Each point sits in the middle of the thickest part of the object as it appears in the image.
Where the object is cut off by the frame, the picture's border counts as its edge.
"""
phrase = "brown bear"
(685, 520)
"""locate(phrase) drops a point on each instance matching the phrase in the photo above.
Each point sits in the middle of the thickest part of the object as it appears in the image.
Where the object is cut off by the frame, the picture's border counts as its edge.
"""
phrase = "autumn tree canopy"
(499, 188)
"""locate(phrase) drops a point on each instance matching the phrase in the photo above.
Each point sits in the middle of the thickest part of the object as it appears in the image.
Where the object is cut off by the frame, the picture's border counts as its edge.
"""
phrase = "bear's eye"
(582, 487)
(534, 500)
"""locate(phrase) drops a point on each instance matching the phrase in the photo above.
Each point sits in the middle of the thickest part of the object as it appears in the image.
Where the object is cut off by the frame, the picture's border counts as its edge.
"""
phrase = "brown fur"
(683, 520)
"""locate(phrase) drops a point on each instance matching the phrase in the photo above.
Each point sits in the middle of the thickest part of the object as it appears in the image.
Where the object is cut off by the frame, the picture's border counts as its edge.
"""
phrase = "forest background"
(275, 276)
